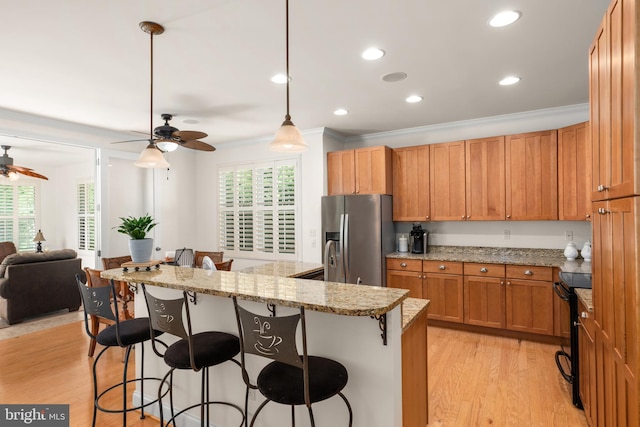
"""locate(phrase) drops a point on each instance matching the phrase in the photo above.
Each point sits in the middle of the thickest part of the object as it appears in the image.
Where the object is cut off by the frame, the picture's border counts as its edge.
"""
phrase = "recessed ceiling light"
(373, 53)
(280, 79)
(505, 18)
(394, 77)
(341, 112)
(413, 99)
(509, 80)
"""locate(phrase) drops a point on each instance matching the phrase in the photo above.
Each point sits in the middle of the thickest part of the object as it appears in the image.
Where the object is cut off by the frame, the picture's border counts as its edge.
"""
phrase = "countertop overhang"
(326, 297)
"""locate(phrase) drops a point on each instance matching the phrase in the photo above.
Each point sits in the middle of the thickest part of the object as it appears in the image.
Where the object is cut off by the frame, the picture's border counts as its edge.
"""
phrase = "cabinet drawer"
(404, 264)
(489, 270)
(585, 318)
(530, 272)
(446, 267)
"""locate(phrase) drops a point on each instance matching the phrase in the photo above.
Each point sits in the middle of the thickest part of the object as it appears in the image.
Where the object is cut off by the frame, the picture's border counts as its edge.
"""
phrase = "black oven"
(567, 359)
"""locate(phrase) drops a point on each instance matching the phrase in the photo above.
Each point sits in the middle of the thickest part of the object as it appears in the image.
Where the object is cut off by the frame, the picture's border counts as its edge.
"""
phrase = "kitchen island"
(343, 323)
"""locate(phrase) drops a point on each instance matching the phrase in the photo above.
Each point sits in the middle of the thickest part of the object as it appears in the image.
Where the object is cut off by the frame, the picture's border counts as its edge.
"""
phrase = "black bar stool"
(101, 302)
(290, 379)
(197, 352)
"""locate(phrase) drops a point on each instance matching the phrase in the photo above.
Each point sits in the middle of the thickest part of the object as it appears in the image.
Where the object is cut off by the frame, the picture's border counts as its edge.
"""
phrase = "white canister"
(403, 244)
(570, 251)
(586, 251)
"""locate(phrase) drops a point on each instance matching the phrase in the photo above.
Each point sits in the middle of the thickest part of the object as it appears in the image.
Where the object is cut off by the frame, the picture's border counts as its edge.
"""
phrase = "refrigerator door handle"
(345, 245)
(329, 260)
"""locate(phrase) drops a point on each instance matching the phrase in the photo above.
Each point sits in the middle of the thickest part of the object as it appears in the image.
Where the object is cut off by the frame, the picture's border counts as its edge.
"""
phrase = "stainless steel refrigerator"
(357, 232)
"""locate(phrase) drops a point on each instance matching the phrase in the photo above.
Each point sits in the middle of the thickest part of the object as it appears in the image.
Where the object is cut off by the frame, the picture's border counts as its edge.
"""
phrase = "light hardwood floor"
(474, 379)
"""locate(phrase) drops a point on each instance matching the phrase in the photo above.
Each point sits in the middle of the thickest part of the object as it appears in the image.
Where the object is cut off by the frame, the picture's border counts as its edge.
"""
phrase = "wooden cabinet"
(574, 173)
(415, 397)
(531, 176)
(443, 286)
(587, 364)
(447, 181)
(361, 171)
(405, 274)
(485, 179)
(616, 237)
(411, 184)
(529, 299)
(613, 78)
(484, 297)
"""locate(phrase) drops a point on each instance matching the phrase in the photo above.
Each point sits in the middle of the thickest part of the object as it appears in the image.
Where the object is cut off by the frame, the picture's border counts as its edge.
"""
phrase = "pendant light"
(151, 156)
(288, 138)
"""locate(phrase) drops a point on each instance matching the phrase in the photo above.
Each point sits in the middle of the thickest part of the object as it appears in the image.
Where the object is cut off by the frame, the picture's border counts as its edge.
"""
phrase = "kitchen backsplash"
(503, 234)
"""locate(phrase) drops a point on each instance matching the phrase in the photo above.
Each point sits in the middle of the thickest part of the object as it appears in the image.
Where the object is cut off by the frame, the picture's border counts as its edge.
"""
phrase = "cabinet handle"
(528, 273)
(602, 188)
(483, 270)
(403, 264)
(468, 216)
(508, 216)
(427, 217)
(508, 283)
(602, 211)
(576, 323)
(462, 217)
(587, 216)
(501, 282)
(442, 267)
(584, 315)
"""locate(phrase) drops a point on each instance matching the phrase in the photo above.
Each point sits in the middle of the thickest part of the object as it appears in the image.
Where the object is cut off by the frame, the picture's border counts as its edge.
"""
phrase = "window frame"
(256, 252)
(29, 244)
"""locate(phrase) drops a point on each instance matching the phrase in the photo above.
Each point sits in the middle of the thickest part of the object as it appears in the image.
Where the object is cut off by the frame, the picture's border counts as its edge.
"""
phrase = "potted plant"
(137, 228)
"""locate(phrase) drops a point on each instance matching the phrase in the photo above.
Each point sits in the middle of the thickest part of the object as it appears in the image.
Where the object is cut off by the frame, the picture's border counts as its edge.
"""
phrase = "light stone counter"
(284, 269)
(411, 310)
(512, 256)
(326, 297)
(585, 295)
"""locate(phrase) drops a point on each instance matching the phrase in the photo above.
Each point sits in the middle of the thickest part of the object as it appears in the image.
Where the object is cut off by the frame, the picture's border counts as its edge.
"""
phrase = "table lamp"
(39, 238)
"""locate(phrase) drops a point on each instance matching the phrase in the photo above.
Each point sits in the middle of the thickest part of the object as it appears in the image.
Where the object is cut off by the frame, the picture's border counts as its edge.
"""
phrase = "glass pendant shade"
(13, 176)
(151, 157)
(167, 145)
(288, 139)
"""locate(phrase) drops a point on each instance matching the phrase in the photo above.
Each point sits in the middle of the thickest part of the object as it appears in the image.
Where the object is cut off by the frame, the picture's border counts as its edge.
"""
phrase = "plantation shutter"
(18, 204)
(86, 216)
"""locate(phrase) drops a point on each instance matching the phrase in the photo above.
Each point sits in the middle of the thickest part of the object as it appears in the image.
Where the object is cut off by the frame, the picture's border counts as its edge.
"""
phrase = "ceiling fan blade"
(17, 168)
(197, 145)
(188, 135)
(32, 174)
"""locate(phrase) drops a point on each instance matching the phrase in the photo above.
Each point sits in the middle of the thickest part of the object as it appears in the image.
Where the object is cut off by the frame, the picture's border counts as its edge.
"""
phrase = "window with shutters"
(257, 210)
(86, 216)
(18, 213)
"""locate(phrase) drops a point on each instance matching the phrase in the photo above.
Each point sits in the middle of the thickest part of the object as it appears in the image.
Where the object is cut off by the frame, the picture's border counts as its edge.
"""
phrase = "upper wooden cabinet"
(411, 184)
(485, 179)
(532, 176)
(613, 102)
(574, 173)
(447, 181)
(361, 171)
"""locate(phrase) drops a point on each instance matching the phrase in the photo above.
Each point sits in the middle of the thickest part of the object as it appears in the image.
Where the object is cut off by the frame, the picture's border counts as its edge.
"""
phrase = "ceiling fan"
(164, 136)
(11, 171)
(168, 138)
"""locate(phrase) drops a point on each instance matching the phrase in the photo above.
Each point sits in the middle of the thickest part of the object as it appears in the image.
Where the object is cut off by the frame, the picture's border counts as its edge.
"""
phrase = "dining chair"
(124, 292)
(199, 255)
(224, 265)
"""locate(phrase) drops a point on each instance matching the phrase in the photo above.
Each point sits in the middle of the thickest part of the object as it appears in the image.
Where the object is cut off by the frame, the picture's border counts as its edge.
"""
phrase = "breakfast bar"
(360, 326)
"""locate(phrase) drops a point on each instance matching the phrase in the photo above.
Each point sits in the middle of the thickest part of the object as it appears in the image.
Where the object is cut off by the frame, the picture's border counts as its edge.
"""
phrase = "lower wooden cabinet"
(587, 365)
(443, 286)
(405, 274)
(529, 303)
(484, 301)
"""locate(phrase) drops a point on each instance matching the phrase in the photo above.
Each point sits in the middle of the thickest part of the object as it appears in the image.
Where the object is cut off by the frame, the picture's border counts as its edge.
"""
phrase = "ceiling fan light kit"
(151, 157)
(288, 138)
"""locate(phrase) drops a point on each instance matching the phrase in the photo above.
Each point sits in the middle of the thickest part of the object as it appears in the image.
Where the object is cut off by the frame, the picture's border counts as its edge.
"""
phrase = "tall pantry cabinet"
(614, 77)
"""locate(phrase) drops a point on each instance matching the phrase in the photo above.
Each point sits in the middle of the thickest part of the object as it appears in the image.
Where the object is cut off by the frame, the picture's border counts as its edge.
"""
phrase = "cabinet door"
(411, 280)
(574, 173)
(587, 369)
(529, 306)
(411, 183)
(532, 177)
(484, 301)
(485, 179)
(341, 177)
(447, 181)
(373, 170)
(445, 291)
(599, 120)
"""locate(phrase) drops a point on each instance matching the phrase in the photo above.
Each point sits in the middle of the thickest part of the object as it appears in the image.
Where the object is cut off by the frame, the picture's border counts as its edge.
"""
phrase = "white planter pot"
(141, 249)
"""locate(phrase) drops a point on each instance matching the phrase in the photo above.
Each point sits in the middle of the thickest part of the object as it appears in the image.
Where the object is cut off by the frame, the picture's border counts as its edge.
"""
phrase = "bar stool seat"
(226, 347)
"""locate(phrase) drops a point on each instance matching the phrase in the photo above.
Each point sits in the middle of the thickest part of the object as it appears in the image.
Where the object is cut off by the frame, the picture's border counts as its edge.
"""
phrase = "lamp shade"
(166, 145)
(151, 157)
(288, 139)
(39, 237)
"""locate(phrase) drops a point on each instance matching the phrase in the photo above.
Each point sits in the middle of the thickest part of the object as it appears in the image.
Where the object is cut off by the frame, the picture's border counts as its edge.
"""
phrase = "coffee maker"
(419, 240)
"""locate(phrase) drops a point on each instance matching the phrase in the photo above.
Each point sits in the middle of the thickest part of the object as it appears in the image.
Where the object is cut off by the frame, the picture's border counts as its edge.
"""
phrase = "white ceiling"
(87, 62)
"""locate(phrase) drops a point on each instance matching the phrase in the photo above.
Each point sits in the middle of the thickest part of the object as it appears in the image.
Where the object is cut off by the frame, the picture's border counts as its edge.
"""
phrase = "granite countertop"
(284, 269)
(585, 295)
(513, 256)
(411, 309)
(327, 297)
